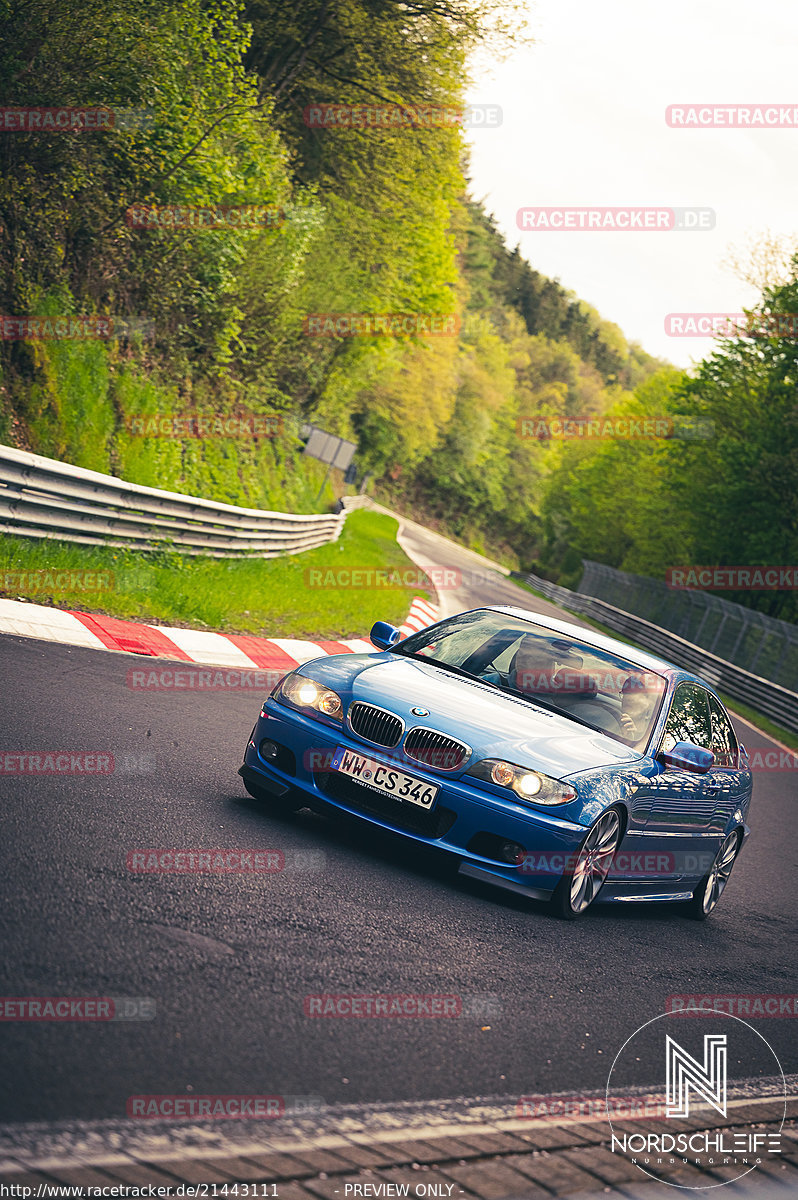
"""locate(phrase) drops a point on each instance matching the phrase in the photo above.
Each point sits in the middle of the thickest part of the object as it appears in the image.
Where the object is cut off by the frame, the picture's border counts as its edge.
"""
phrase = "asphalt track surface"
(229, 960)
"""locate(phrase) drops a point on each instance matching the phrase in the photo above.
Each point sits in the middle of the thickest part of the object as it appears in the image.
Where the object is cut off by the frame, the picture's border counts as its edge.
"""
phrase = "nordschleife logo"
(682, 1064)
(683, 1072)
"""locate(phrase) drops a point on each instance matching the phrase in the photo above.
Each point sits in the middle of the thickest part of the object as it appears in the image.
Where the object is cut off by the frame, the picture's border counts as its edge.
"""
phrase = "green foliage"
(744, 481)
(726, 495)
(499, 277)
(377, 221)
(611, 500)
(517, 359)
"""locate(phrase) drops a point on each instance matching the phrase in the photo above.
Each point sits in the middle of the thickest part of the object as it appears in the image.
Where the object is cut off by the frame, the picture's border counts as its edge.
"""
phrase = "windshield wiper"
(444, 666)
(547, 704)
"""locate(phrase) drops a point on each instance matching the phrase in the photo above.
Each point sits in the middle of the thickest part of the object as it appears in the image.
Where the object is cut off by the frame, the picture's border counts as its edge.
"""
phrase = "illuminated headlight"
(532, 786)
(306, 693)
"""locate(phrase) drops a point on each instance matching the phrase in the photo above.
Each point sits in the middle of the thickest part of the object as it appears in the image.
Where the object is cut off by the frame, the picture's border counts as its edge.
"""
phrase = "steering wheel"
(613, 724)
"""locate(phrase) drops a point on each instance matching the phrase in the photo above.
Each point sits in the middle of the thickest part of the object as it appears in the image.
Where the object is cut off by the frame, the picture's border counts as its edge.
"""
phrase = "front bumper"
(462, 811)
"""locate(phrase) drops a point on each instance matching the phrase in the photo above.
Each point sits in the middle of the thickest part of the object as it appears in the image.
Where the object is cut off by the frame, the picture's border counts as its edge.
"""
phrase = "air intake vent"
(375, 724)
(435, 749)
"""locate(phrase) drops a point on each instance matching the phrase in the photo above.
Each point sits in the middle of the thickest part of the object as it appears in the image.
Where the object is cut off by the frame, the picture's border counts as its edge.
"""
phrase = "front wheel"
(577, 890)
(712, 886)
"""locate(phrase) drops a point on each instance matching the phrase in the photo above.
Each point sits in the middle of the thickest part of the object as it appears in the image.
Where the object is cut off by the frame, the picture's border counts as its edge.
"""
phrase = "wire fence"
(760, 688)
(750, 640)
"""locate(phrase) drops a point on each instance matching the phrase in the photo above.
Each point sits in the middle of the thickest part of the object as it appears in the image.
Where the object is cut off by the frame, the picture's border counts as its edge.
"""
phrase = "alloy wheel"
(594, 861)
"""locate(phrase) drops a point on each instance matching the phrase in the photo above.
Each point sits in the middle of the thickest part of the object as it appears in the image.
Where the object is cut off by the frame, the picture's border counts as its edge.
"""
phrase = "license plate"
(388, 780)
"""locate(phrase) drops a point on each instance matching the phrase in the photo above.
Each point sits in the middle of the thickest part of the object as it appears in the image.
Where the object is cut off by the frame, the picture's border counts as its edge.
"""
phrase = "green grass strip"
(328, 593)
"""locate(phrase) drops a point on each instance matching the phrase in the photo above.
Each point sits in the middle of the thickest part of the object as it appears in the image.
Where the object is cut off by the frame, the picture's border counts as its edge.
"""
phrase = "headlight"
(532, 786)
(306, 693)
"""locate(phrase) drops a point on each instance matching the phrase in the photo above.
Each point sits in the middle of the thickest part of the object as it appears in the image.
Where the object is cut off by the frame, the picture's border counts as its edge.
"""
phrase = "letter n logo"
(707, 1079)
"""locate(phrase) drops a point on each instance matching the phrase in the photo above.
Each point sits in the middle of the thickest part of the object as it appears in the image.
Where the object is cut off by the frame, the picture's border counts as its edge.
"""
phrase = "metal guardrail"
(772, 699)
(350, 503)
(43, 498)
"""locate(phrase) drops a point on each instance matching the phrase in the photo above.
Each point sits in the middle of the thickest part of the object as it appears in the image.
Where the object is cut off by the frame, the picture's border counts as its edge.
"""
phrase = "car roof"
(592, 637)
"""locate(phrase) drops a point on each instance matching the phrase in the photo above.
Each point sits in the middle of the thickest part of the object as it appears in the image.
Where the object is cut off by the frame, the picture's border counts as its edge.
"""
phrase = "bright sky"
(583, 125)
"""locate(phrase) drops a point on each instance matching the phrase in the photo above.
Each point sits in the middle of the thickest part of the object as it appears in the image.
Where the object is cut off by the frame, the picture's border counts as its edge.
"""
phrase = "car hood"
(493, 724)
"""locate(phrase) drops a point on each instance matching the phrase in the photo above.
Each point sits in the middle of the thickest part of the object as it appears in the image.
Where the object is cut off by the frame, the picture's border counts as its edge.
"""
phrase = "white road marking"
(48, 624)
(301, 651)
(202, 646)
(761, 732)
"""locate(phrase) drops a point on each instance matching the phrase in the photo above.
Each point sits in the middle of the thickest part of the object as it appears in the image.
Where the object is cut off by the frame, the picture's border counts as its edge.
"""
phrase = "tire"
(712, 886)
(577, 889)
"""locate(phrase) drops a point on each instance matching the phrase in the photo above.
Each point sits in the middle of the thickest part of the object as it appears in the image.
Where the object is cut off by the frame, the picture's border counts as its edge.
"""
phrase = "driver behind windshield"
(637, 706)
(533, 668)
(549, 672)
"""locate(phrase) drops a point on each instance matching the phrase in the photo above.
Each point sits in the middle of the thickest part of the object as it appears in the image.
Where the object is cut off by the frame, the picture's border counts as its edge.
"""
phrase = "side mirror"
(686, 756)
(383, 635)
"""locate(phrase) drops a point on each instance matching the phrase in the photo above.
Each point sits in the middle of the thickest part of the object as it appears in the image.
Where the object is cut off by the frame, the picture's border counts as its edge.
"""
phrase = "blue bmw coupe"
(547, 758)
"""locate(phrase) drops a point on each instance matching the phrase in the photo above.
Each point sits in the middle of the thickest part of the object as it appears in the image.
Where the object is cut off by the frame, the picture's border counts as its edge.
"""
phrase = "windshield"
(553, 671)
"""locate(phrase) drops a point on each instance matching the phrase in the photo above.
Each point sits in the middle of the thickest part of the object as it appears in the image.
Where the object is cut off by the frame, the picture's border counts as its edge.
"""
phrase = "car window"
(549, 668)
(455, 641)
(724, 743)
(689, 719)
